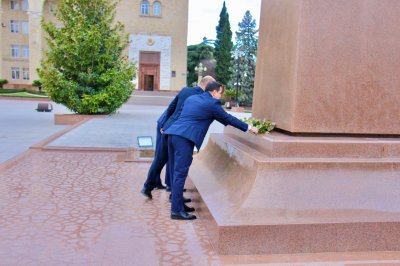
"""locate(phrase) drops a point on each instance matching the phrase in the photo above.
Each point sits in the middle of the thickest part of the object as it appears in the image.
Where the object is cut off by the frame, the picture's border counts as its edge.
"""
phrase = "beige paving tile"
(84, 208)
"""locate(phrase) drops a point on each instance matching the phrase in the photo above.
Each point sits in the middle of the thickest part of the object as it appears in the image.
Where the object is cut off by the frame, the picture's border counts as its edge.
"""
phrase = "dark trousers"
(167, 174)
(180, 152)
(160, 160)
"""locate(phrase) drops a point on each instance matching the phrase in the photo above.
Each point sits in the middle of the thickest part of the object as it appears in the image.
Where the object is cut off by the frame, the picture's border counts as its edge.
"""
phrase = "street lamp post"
(199, 69)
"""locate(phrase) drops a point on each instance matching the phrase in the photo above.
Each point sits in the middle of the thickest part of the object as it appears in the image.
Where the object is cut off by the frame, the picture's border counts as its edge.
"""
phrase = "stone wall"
(329, 66)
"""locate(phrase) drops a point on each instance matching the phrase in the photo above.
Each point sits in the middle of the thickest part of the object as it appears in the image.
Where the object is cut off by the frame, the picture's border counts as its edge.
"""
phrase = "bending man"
(188, 131)
(172, 113)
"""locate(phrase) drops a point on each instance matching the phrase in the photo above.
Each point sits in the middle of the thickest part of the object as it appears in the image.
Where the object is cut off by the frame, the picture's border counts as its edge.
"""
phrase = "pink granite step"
(261, 204)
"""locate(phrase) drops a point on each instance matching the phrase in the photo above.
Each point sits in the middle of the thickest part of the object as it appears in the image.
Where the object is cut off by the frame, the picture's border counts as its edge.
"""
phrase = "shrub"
(2, 82)
(11, 90)
(22, 90)
(229, 94)
(37, 83)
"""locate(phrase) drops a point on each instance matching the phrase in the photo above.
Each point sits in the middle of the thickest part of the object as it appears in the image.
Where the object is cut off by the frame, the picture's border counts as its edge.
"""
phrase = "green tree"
(246, 50)
(223, 47)
(84, 68)
(196, 54)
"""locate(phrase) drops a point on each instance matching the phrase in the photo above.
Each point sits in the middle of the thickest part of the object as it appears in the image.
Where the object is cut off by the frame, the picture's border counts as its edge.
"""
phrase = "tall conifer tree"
(246, 46)
(223, 47)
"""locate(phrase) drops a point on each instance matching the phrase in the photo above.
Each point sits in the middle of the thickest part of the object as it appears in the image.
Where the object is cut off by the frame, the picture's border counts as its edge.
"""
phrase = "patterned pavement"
(62, 207)
(74, 208)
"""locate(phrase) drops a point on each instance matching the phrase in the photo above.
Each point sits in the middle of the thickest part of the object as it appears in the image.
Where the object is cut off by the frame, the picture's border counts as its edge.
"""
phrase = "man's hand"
(254, 130)
(161, 131)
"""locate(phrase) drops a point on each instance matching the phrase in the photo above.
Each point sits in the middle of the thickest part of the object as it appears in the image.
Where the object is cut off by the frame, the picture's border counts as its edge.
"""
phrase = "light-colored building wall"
(170, 25)
(1, 39)
(18, 39)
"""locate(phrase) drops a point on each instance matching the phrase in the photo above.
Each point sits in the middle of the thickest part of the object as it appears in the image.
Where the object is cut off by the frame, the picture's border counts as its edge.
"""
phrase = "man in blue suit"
(161, 153)
(188, 131)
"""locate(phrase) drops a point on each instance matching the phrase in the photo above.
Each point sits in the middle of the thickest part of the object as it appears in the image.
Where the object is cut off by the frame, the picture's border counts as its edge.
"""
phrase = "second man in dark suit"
(171, 115)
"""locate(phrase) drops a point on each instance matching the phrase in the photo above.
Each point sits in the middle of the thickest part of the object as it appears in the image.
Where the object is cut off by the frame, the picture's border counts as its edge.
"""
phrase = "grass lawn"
(23, 95)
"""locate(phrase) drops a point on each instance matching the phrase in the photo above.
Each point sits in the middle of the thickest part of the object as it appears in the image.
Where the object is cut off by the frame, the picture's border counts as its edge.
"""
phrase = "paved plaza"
(21, 126)
(61, 206)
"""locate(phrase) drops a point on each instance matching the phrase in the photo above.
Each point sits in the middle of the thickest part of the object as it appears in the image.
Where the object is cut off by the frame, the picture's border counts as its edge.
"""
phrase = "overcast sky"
(204, 16)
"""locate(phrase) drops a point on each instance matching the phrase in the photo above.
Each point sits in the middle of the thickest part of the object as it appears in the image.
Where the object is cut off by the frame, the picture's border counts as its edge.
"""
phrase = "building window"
(144, 7)
(25, 27)
(157, 8)
(14, 5)
(25, 51)
(25, 73)
(15, 73)
(14, 50)
(24, 5)
(14, 26)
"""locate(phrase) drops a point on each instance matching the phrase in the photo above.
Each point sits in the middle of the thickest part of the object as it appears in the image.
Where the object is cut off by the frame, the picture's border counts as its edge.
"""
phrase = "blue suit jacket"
(175, 107)
(197, 114)
(161, 119)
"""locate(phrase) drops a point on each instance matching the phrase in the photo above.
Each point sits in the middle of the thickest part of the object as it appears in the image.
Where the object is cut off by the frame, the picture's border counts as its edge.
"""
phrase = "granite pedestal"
(284, 194)
(328, 75)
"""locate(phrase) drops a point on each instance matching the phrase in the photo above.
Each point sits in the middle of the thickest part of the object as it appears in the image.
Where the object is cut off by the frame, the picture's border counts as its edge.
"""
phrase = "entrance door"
(149, 69)
(148, 82)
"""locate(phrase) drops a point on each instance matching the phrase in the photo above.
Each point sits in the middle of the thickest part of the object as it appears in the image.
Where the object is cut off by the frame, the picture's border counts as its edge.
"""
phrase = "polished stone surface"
(276, 145)
(329, 66)
(85, 208)
(284, 194)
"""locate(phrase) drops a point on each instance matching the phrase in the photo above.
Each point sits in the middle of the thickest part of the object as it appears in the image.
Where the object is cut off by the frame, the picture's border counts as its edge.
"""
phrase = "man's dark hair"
(213, 86)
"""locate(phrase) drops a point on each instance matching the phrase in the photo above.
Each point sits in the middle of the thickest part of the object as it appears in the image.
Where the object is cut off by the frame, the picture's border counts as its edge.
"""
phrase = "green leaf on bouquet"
(264, 126)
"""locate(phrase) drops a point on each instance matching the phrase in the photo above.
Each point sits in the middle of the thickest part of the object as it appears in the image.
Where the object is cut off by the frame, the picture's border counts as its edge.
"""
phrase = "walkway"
(21, 126)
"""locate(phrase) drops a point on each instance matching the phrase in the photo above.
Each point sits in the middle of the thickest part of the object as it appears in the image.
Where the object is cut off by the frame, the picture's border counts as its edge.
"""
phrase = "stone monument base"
(283, 194)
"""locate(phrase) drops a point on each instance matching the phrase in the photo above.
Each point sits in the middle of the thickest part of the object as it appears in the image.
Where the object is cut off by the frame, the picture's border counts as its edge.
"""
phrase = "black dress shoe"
(188, 209)
(161, 186)
(182, 216)
(185, 200)
(147, 193)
